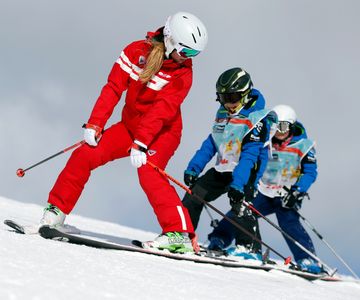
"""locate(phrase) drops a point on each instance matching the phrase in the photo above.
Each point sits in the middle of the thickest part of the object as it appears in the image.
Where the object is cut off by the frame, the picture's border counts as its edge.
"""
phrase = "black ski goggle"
(232, 98)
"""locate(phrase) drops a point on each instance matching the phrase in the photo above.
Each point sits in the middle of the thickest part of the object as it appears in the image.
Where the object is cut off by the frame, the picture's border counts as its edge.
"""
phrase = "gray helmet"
(233, 85)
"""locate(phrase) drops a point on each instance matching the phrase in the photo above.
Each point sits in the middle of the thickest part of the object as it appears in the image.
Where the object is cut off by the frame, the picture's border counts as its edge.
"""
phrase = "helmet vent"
(194, 38)
(199, 31)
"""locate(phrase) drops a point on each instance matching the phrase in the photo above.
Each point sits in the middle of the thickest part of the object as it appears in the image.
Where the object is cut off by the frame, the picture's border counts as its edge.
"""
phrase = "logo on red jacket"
(142, 60)
(151, 152)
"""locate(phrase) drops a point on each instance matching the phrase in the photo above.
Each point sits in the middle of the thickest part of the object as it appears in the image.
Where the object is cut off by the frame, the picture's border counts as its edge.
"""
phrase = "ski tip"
(7, 222)
(17, 227)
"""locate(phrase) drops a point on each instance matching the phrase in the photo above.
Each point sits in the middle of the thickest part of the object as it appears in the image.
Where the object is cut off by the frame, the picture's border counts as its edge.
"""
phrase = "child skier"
(240, 130)
(289, 173)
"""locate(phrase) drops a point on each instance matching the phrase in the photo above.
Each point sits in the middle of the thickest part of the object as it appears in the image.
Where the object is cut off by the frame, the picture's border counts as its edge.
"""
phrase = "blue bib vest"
(228, 134)
(284, 168)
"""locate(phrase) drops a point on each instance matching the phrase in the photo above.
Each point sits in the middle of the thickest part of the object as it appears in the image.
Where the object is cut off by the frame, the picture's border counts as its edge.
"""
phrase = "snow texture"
(35, 268)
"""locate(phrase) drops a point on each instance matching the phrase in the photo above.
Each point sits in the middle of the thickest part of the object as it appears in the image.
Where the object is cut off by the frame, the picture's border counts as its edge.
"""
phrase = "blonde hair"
(154, 61)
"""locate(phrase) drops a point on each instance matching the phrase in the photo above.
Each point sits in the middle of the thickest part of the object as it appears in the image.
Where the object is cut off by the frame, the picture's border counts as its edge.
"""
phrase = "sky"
(35, 268)
(55, 57)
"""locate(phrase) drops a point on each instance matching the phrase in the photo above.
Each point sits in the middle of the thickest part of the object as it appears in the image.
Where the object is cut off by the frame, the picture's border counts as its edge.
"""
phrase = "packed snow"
(35, 268)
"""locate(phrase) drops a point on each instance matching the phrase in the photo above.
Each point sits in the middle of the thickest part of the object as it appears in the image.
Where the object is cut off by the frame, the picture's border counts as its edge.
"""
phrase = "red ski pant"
(114, 144)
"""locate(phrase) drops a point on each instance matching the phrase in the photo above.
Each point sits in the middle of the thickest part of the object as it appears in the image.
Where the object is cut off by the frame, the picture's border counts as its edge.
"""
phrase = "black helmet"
(233, 85)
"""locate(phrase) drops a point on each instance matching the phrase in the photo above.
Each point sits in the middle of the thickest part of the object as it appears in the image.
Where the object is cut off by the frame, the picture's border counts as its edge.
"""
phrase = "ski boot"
(216, 247)
(309, 265)
(175, 242)
(53, 216)
(244, 252)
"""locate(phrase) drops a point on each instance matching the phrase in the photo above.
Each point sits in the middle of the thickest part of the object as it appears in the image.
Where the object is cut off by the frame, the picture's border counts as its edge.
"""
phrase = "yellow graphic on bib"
(229, 147)
(294, 172)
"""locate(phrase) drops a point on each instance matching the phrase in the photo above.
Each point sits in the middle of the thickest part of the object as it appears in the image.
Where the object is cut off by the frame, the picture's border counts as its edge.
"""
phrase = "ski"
(55, 234)
(283, 268)
(136, 246)
(203, 257)
(34, 228)
(270, 265)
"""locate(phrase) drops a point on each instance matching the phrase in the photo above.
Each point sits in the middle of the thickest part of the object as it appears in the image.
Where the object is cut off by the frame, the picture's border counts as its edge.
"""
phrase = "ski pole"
(287, 260)
(330, 271)
(325, 242)
(21, 172)
(214, 222)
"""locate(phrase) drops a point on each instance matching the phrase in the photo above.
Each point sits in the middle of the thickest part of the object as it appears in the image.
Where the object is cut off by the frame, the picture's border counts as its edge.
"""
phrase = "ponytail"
(154, 61)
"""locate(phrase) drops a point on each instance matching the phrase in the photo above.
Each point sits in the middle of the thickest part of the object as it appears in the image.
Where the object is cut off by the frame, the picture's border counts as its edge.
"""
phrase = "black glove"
(190, 177)
(236, 199)
(293, 199)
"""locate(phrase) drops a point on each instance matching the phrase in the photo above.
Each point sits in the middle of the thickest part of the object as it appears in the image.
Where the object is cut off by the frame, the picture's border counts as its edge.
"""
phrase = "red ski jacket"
(151, 107)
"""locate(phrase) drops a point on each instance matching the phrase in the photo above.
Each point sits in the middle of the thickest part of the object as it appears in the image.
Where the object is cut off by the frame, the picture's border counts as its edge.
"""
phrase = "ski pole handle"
(21, 172)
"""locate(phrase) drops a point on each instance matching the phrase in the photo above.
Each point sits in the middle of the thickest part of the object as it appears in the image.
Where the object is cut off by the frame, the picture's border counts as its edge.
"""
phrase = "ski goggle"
(283, 126)
(187, 52)
(232, 98)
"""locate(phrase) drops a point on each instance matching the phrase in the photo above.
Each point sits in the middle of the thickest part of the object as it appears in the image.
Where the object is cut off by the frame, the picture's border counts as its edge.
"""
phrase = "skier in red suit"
(156, 74)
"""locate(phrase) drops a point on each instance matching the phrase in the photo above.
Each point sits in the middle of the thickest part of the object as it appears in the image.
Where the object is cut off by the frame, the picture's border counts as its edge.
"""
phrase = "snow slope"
(34, 268)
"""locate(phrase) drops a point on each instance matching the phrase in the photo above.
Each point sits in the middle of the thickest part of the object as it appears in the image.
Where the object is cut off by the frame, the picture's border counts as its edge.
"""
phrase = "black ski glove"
(190, 177)
(293, 199)
(236, 200)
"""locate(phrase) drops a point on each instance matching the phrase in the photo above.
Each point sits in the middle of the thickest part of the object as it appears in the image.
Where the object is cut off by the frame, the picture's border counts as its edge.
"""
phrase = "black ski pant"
(211, 186)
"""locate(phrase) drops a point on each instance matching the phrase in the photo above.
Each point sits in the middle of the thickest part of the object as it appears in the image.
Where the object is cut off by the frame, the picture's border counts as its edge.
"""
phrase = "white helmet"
(185, 33)
(286, 117)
